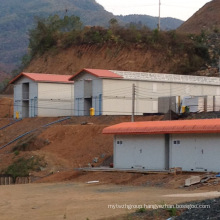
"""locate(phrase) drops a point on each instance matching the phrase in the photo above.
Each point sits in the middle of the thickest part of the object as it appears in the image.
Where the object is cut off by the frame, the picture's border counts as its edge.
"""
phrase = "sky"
(181, 9)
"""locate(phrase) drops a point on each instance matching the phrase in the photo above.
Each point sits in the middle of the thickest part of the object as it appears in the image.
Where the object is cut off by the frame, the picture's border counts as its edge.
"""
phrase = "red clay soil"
(63, 146)
(120, 178)
(69, 145)
(6, 107)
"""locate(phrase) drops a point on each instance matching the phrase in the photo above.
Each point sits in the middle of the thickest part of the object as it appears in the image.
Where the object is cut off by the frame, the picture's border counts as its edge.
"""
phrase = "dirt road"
(80, 201)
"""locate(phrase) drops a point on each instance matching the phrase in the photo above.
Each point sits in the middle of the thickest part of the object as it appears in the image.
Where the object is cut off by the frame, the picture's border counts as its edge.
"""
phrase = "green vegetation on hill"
(17, 17)
(151, 22)
(59, 33)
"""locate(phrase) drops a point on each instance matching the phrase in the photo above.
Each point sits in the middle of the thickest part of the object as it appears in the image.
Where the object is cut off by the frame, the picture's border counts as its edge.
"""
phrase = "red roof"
(42, 77)
(98, 73)
(166, 127)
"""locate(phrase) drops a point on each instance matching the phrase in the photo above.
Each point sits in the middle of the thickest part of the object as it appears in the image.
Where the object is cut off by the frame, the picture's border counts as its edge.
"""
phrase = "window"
(176, 142)
(119, 142)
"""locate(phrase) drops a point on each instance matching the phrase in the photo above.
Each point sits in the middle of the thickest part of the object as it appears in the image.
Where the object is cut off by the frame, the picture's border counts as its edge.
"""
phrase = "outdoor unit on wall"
(198, 103)
(167, 103)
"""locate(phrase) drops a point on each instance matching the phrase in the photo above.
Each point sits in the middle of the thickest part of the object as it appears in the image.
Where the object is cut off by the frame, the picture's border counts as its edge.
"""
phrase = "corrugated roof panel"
(164, 77)
(146, 76)
(42, 77)
(165, 127)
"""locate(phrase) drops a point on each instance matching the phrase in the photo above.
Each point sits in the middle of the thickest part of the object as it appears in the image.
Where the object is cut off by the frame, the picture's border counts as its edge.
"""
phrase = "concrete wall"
(114, 96)
(25, 107)
(117, 94)
(192, 152)
(55, 99)
(82, 93)
(216, 101)
(139, 151)
(195, 152)
(44, 99)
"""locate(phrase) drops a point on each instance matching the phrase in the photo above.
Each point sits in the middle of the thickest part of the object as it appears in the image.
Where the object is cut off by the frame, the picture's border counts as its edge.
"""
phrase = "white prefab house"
(109, 92)
(193, 145)
(43, 95)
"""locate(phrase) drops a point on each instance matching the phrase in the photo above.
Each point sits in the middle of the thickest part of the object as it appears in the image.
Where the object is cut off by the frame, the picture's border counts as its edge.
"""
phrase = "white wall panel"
(139, 151)
(196, 152)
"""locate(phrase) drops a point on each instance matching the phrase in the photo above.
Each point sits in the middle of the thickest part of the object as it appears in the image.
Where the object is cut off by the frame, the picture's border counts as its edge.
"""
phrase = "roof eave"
(16, 78)
(90, 72)
(162, 132)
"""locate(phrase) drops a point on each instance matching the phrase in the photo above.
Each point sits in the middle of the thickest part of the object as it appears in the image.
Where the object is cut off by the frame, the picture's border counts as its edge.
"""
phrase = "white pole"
(159, 17)
(219, 65)
(133, 102)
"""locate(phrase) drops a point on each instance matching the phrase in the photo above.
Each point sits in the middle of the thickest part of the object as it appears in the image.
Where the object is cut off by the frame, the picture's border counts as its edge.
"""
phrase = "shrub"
(22, 167)
(172, 211)
(141, 210)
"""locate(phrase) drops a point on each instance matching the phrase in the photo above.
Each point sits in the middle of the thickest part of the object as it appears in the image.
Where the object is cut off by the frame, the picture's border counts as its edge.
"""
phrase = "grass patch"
(141, 210)
(22, 166)
(30, 143)
(16, 152)
(172, 211)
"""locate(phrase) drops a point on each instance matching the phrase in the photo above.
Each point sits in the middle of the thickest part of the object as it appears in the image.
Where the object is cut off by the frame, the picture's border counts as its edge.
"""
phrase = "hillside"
(130, 58)
(4, 79)
(151, 22)
(120, 48)
(17, 17)
(63, 145)
(206, 19)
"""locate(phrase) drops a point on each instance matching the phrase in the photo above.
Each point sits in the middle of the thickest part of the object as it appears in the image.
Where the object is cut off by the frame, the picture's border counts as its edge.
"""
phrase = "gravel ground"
(212, 212)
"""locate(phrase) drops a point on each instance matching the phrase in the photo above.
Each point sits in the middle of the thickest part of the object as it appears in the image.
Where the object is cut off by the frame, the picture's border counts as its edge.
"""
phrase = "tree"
(113, 23)
(45, 34)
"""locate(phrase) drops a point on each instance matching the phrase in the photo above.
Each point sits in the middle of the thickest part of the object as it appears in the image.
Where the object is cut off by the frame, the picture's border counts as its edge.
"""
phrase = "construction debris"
(208, 179)
(95, 160)
(94, 181)
(192, 180)
(175, 170)
(86, 123)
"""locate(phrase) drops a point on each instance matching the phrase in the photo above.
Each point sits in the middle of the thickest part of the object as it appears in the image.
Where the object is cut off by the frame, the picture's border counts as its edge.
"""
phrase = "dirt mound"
(131, 58)
(64, 146)
(78, 144)
(207, 19)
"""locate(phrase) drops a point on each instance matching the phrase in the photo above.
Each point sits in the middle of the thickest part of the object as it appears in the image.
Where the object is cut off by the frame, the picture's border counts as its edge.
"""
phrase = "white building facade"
(109, 92)
(193, 145)
(43, 95)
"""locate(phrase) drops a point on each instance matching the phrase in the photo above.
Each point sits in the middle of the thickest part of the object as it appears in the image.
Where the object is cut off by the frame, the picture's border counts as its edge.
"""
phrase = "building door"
(87, 106)
(25, 91)
(139, 157)
(199, 158)
(87, 96)
(25, 109)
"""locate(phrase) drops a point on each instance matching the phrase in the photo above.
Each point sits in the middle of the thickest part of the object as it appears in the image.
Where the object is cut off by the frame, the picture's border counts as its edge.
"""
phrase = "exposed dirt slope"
(6, 107)
(63, 146)
(130, 58)
(207, 19)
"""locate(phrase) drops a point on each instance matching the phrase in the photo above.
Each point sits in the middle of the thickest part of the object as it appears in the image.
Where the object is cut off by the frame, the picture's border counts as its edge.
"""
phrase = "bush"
(202, 51)
(22, 167)
(172, 211)
(141, 210)
(30, 143)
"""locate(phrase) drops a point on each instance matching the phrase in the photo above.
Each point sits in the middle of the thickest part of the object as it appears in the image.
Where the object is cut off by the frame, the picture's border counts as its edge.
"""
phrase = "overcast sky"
(182, 9)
